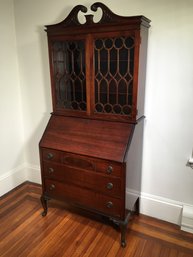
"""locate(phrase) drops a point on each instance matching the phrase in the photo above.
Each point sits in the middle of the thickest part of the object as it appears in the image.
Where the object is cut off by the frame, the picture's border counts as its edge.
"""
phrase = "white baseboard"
(159, 207)
(12, 179)
(34, 174)
(15, 177)
(187, 218)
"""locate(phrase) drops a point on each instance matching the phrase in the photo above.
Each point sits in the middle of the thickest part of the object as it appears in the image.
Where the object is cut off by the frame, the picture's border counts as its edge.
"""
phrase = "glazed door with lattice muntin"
(68, 75)
(114, 79)
(94, 75)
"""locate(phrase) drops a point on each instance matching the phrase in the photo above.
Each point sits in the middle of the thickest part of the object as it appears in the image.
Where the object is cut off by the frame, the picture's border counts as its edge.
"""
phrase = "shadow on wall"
(38, 110)
(134, 161)
(36, 75)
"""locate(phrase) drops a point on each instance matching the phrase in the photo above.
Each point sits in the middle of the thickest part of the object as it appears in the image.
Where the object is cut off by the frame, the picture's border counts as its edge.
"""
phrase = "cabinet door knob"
(109, 169)
(109, 205)
(109, 186)
(50, 170)
(52, 187)
(50, 156)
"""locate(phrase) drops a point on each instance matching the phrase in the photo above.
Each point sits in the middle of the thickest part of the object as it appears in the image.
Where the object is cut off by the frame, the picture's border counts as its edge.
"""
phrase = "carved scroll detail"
(72, 18)
(107, 15)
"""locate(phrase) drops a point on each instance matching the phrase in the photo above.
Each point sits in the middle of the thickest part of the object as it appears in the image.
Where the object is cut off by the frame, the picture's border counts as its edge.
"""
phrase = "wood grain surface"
(95, 138)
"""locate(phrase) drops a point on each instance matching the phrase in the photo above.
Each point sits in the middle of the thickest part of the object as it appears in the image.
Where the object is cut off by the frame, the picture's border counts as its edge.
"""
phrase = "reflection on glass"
(114, 65)
(69, 74)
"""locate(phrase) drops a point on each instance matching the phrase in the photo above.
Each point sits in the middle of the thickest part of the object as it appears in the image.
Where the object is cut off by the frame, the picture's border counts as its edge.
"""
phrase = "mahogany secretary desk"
(90, 151)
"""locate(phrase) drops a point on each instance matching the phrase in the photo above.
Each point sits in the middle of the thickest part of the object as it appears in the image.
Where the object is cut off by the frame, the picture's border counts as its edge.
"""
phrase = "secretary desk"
(91, 149)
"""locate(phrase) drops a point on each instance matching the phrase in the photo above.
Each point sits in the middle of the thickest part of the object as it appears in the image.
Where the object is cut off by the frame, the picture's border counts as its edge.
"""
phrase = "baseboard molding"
(17, 176)
(159, 207)
(187, 218)
(12, 179)
(34, 174)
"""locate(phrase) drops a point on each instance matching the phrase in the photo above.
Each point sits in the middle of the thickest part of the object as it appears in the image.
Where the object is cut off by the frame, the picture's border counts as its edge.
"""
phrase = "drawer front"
(78, 161)
(88, 179)
(82, 162)
(98, 165)
(86, 198)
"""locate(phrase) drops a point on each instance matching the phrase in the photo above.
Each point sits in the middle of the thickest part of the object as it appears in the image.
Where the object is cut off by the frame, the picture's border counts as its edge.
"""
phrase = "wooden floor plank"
(83, 241)
(154, 233)
(68, 232)
(95, 242)
(173, 253)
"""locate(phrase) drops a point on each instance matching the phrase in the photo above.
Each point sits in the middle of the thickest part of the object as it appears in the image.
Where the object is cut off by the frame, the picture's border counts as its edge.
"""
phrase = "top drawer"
(83, 162)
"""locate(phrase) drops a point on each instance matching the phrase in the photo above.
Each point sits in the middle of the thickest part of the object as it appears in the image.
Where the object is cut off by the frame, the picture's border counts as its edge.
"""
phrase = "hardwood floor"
(66, 232)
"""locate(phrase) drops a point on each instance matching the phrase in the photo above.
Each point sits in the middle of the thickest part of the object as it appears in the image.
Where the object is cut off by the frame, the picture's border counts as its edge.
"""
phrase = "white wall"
(11, 131)
(169, 104)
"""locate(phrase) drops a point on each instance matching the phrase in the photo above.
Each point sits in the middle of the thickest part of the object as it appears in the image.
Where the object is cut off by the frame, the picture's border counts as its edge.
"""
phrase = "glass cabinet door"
(113, 75)
(68, 68)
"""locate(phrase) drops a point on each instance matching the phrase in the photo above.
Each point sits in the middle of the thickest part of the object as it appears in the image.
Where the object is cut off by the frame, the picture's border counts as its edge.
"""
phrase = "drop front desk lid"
(94, 138)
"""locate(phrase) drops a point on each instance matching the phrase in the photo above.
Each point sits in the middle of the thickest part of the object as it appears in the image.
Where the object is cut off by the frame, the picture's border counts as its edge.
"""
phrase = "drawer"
(86, 198)
(88, 179)
(99, 165)
(78, 161)
(83, 162)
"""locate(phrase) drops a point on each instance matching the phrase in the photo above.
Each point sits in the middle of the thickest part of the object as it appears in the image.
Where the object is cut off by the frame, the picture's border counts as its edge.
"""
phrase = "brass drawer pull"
(109, 169)
(50, 170)
(50, 156)
(109, 205)
(109, 186)
(52, 187)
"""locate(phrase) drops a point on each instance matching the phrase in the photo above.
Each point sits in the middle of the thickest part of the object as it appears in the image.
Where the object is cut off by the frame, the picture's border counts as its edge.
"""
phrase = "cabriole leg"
(123, 227)
(44, 201)
(137, 207)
